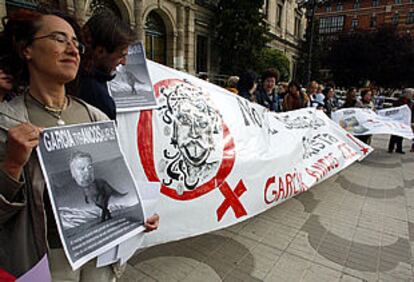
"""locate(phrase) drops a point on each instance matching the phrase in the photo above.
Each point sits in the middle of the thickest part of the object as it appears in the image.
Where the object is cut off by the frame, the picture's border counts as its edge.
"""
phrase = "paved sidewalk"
(356, 226)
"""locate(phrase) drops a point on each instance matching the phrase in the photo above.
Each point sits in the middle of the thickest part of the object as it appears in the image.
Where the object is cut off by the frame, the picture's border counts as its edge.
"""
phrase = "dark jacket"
(269, 101)
(246, 95)
(329, 106)
(22, 216)
(93, 89)
(294, 103)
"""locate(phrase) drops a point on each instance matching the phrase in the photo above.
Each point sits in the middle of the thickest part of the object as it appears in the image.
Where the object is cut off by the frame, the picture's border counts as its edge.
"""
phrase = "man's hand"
(152, 223)
(21, 140)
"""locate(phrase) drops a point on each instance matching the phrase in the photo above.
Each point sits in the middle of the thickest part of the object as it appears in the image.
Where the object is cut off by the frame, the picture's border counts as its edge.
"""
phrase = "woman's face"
(351, 96)
(293, 89)
(53, 52)
(367, 97)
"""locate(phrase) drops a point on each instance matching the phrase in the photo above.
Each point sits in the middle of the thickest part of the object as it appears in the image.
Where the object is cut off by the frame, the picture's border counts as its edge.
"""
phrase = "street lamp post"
(310, 6)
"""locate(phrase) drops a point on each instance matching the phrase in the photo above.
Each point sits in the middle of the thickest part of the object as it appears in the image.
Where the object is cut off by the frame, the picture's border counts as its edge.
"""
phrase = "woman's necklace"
(54, 112)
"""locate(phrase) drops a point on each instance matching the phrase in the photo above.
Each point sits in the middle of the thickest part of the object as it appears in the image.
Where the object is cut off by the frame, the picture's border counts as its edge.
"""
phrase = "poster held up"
(92, 193)
(132, 88)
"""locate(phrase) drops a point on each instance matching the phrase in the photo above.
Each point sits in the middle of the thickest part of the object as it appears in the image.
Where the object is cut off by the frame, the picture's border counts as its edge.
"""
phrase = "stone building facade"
(287, 25)
(178, 33)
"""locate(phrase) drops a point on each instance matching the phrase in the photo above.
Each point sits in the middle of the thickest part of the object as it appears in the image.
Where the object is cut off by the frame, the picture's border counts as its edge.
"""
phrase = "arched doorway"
(155, 38)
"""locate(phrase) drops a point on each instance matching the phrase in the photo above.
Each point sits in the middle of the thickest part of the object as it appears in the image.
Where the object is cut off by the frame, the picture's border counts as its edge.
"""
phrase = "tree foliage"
(383, 57)
(241, 34)
(272, 58)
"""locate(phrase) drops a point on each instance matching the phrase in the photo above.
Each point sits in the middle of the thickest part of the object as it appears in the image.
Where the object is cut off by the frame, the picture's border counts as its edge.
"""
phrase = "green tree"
(272, 58)
(385, 58)
(241, 34)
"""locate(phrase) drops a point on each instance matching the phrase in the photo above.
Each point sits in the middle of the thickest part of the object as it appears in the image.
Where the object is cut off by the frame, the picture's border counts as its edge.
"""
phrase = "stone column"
(80, 11)
(70, 7)
(139, 20)
(179, 59)
(190, 40)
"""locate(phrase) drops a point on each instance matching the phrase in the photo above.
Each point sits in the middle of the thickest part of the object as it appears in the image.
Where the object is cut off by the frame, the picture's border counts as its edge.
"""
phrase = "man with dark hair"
(107, 39)
(266, 94)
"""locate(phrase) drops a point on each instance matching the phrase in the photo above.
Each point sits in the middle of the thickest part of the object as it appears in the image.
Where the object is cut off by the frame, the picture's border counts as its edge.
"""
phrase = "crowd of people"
(44, 57)
(276, 96)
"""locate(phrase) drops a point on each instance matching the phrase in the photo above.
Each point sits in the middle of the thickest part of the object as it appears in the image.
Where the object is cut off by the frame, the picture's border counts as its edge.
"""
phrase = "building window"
(202, 53)
(354, 23)
(395, 19)
(373, 22)
(297, 27)
(332, 24)
(155, 38)
(340, 6)
(375, 3)
(397, 2)
(410, 17)
(356, 4)
(279, 14)
(328, 8)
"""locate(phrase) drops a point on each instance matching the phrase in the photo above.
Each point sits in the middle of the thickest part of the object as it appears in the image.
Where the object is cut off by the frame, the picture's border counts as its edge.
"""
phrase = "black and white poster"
(92, 192)
(132, 88)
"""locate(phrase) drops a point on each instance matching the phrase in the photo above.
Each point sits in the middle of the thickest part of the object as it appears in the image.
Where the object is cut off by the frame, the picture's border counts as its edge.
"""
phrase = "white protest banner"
(219, 159)
(93, 195)
(358, 121)
(401, 114)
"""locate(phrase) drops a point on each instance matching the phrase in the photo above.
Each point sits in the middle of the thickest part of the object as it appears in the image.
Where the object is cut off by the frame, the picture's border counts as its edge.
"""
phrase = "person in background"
(6, 86)
(377, 98)
(231, 84)
(282, 91)
(295, 99)
(316, 100)
(312, 89)
(319, 101)
(6, 80)
(366, 103)
(397, 141)
(247, 86)
(329, 102)
(366, 99)
(204, 76)
(107, 39)
(350, 99)
(267, 95)
(43, 51)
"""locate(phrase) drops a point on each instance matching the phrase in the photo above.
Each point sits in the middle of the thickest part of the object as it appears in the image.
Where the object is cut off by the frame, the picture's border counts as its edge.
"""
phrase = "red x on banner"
(231, 199)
